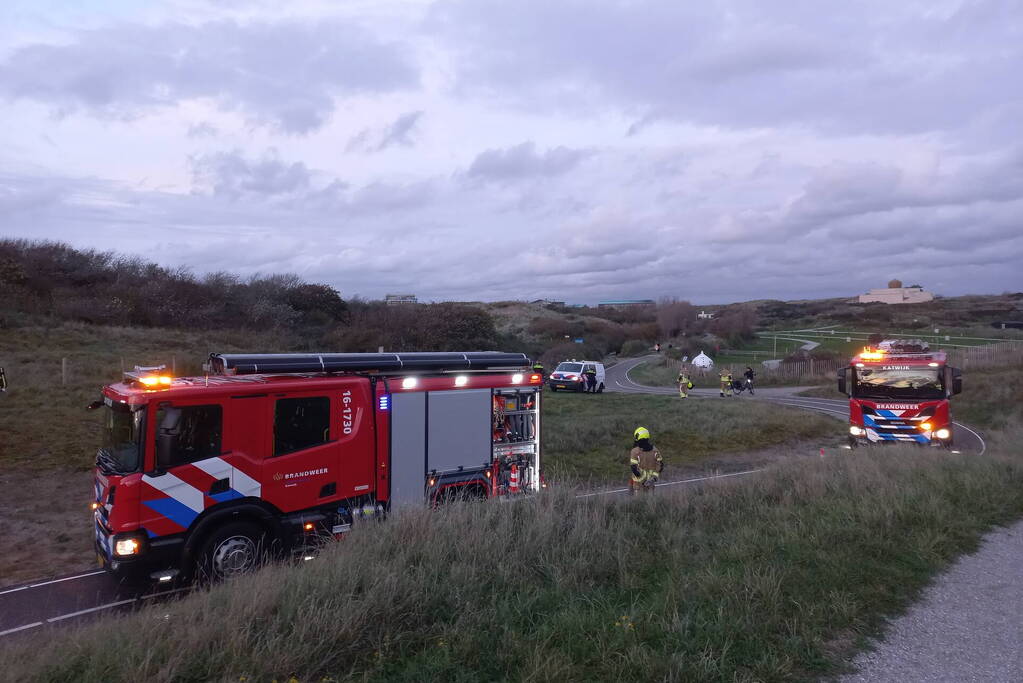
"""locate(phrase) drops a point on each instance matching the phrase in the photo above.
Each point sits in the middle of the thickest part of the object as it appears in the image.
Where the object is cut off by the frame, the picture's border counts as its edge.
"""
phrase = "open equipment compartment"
(516, 449)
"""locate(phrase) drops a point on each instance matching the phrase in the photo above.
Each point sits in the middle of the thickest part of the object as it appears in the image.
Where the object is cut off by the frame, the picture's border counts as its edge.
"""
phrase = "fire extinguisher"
(513, 479)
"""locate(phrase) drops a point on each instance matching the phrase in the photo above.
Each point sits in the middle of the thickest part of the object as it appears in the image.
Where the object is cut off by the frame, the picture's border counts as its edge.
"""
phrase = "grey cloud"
(398, 133)
(842, 190)
(285, 75)
(868, 66)
(523, 161)
(232, 175)
(202, 130)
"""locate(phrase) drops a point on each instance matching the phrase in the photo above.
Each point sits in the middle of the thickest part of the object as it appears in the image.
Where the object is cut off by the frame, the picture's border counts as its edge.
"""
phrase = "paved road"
(67, 599)
(968, 626)
(618, 379)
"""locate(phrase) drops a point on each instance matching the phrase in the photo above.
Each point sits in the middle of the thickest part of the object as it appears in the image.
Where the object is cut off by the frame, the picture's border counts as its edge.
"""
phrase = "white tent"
(702, 360)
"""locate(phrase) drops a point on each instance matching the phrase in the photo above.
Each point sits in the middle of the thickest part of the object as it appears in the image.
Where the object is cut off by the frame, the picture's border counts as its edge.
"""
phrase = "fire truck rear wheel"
(234, 549)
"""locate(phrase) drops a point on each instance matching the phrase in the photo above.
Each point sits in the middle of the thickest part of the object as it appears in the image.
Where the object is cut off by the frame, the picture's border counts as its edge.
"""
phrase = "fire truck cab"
(270, 452)
(900, 396)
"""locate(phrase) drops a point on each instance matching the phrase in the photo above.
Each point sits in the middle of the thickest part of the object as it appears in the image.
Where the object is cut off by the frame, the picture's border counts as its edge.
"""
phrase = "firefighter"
(684, 383)
(590, 373)
(538, 369)
(726, 382)
(645, 463)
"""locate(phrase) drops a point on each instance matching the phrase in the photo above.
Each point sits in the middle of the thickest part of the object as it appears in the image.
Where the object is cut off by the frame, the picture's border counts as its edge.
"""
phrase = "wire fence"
(1005, 354)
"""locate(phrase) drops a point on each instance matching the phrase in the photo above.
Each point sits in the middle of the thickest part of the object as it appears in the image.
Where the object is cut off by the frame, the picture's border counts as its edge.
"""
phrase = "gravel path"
(968, 626)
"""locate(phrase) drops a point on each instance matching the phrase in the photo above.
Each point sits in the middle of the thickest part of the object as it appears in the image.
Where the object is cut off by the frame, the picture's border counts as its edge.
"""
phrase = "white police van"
(569, 375)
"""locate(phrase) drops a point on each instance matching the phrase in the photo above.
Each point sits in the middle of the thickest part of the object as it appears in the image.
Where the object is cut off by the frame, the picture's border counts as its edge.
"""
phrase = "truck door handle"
(219, 486)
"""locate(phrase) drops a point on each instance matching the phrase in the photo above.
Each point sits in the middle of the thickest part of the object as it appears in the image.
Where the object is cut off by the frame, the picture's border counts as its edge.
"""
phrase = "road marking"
(672, 483)
(91, 609)
(47, 583)
(21, 628)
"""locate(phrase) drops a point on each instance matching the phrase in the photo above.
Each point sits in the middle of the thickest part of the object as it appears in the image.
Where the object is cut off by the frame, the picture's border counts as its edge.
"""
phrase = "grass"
(774, 577)
(587, 437)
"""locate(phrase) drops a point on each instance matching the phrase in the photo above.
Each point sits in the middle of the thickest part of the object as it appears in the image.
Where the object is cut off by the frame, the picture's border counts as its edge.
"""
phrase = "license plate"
(561, 386)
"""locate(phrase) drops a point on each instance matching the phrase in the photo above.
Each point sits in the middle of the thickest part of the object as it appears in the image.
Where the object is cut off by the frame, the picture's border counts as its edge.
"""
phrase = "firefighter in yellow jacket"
(644, 461)
(726, 382)
(684, 383)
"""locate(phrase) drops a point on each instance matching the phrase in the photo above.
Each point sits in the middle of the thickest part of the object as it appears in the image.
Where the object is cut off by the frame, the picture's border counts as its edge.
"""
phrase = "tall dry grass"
(772, 578)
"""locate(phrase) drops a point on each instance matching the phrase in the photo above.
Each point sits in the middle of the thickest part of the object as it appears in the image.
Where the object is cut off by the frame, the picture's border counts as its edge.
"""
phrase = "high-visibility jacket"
(645, 464)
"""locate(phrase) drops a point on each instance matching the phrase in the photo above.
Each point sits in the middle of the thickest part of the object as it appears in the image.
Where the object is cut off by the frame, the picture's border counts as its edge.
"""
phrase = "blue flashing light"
(385, 402)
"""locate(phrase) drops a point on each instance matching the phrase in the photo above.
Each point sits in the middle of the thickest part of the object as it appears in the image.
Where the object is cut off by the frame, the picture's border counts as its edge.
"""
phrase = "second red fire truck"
(899, 393)
(204, 475)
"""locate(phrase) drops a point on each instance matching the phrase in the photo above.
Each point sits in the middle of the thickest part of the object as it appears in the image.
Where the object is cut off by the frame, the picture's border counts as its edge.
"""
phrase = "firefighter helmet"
(641, 433)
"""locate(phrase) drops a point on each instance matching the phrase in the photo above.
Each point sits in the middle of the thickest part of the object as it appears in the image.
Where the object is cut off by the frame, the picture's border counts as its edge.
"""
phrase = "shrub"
(635, 347)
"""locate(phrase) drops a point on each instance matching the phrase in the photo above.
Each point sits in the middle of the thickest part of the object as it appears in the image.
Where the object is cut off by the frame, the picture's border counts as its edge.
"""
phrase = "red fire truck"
(269, 452)
(898, 393)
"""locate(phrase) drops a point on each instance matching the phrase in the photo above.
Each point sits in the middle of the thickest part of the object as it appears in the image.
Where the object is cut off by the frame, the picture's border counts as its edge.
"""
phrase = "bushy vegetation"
(47, 283)
(777, 576)
(57, 280)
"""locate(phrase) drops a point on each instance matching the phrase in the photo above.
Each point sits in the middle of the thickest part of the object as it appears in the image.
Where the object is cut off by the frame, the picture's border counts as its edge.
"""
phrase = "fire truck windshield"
(569, 367)
(123, 438)
(901, 382)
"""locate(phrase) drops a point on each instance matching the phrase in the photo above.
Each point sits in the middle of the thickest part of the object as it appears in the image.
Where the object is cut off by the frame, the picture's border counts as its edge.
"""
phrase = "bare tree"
(675, 317)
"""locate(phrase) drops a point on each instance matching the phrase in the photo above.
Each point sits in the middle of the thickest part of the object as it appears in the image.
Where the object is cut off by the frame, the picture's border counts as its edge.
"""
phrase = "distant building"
(547, 302)
(393, 299)
(625, 303)
(703, 315)
(895, 293)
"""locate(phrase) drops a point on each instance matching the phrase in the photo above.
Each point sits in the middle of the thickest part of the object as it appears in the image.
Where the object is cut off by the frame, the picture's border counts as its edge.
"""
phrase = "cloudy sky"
(507, 149)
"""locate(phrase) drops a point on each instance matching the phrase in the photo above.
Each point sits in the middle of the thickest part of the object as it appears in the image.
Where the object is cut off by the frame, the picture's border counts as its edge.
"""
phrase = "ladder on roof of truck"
(383, 363)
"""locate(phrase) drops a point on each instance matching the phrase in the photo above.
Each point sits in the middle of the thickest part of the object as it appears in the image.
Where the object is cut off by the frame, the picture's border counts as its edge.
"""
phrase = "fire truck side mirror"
(167, 436)
(843, 374)
(957, 381)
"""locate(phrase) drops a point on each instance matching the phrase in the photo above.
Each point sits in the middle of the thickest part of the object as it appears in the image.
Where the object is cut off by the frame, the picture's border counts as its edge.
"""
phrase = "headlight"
(856, 431)
(926, 426)
(942, 433)
(126, 547)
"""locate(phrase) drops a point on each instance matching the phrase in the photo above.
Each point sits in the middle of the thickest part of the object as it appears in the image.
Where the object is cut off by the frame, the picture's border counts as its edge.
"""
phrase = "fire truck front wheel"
(232, 550)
